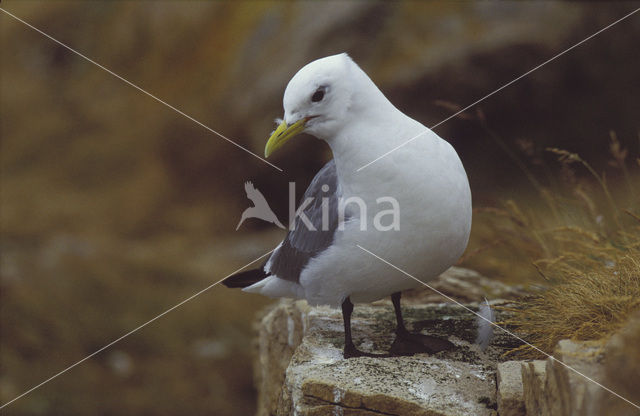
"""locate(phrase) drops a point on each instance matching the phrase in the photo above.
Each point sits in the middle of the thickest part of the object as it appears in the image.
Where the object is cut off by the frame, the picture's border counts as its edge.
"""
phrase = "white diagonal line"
(141, 90)
(497, 326)
(500, 89)
(131, 332)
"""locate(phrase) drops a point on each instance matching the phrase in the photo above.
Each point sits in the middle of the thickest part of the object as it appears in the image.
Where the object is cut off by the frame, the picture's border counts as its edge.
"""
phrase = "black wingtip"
(244, 279)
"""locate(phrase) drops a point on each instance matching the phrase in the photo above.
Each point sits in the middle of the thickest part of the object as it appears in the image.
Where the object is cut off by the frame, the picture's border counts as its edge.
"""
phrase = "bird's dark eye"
(318, 95)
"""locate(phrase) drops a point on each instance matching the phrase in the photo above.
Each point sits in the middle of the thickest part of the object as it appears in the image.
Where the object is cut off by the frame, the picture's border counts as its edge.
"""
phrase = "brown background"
(114, 207)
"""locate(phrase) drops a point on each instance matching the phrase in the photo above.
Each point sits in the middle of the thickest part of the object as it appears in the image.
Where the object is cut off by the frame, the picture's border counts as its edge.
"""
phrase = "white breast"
(430, 185)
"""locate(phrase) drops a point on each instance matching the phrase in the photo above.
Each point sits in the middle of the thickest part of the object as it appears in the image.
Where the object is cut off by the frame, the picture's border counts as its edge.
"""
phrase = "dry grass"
(582, 239)
(591, 296)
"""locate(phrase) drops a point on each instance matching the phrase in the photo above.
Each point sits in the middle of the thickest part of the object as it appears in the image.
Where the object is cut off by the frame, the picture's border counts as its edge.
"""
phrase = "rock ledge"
(300, 369)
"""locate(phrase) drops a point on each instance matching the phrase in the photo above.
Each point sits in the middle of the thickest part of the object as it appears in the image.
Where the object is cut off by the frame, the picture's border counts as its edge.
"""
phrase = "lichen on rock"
(510, 389)
(300, 369)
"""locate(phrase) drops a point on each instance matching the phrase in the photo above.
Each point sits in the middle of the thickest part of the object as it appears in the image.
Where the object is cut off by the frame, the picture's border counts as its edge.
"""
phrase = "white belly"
(435, 221)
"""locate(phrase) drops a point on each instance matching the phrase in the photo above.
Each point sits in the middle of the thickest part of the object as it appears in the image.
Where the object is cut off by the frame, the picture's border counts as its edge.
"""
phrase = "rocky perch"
(299, 368)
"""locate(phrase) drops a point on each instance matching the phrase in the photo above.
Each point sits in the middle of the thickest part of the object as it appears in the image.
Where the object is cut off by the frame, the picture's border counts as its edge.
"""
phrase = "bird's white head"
(321, 98)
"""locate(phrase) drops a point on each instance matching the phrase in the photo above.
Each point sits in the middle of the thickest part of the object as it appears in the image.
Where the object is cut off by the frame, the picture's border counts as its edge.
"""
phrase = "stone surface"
(464, 286)
(564, 385)
(570, 393)
(552, 389)
(280, 332)
(622, 370)
(300, 369)
(510, 394)
(534, 378)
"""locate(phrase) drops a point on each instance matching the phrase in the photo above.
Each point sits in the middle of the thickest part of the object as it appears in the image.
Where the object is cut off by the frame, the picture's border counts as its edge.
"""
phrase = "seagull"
(260, 208)
(412, 206)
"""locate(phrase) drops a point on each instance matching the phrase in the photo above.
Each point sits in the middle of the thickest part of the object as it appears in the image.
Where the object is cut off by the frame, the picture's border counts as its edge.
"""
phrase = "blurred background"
(113, 207)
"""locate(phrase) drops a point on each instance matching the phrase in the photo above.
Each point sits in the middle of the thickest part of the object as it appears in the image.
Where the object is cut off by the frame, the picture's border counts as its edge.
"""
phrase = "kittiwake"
(412, 207)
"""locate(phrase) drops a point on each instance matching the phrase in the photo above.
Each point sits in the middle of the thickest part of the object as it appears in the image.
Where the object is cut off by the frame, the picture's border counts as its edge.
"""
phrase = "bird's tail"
(244, 279)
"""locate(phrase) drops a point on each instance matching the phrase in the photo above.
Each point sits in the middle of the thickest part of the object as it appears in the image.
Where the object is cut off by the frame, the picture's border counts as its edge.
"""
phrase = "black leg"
(350, 350)
(400, 328)
(407, 343)
(347, 309)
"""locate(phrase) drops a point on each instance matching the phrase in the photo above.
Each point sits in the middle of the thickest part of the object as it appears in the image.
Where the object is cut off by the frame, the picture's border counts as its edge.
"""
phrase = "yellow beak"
(282, 134)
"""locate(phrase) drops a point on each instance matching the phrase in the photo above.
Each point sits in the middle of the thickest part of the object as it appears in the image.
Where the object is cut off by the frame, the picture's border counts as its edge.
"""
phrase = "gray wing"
(302, 243)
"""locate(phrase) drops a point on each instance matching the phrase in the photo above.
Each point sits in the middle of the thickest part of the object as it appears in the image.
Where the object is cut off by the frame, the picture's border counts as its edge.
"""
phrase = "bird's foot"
(407, 343)
(350, 351)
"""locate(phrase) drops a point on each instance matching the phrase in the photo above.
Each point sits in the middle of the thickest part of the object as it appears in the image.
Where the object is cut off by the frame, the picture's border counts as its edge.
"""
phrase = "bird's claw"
(353, 352)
